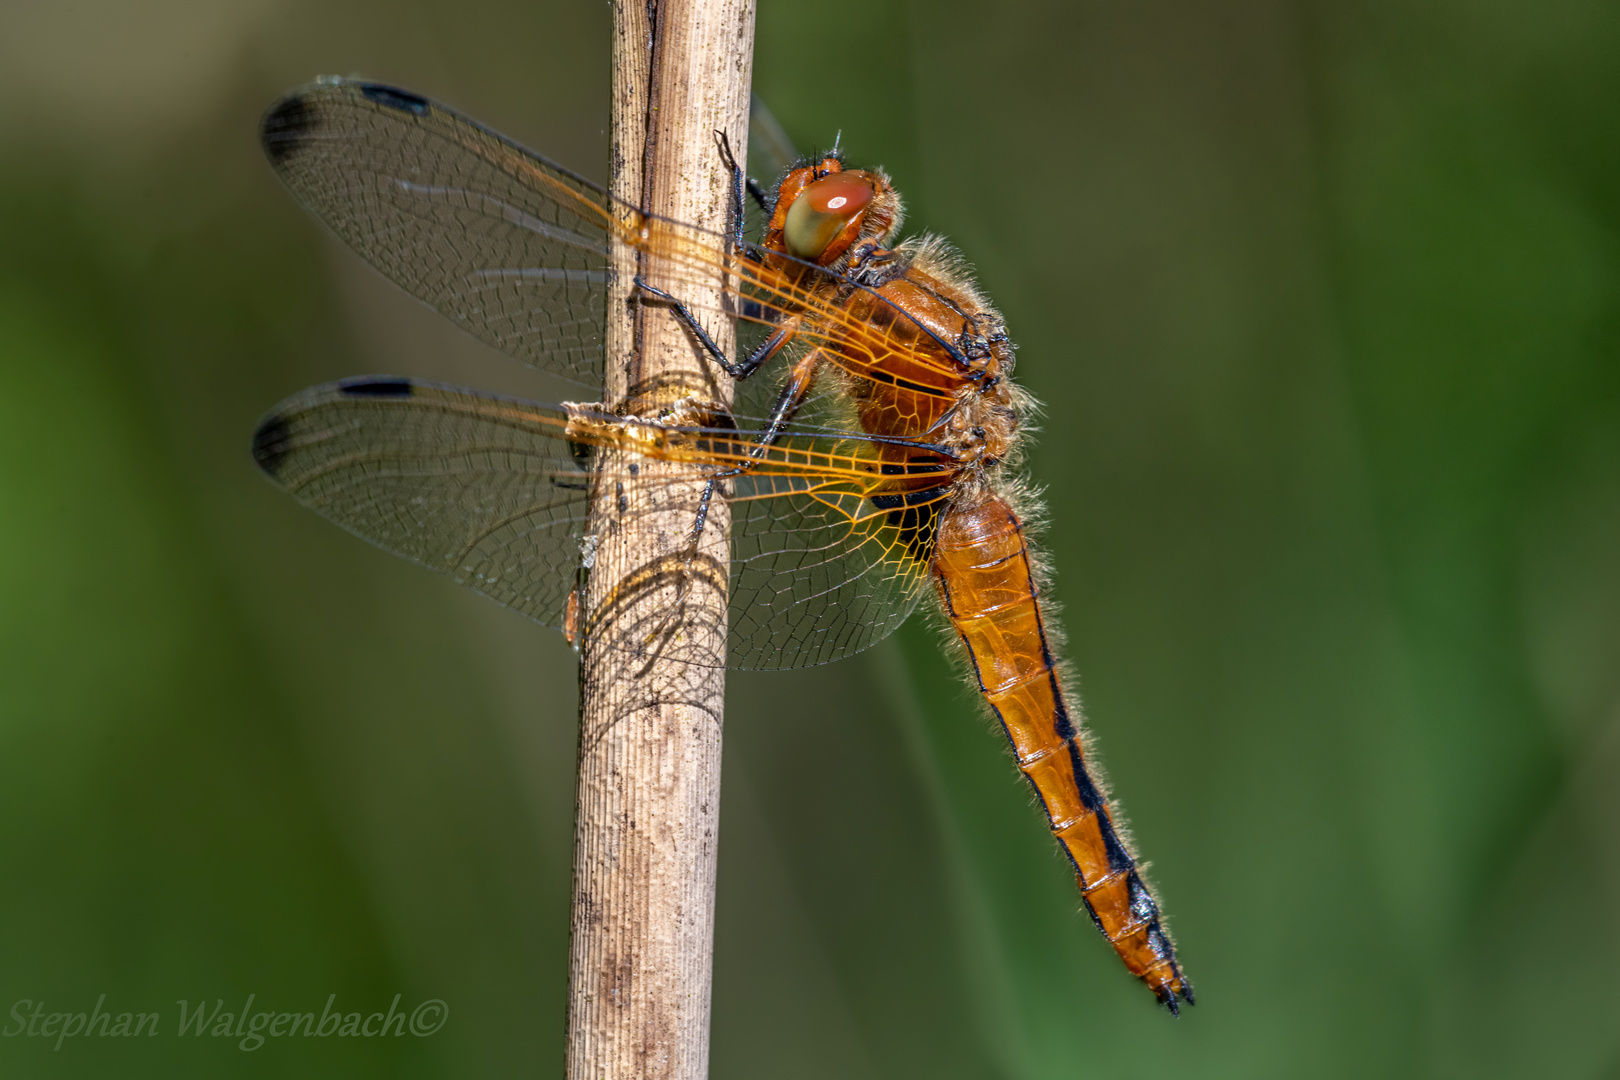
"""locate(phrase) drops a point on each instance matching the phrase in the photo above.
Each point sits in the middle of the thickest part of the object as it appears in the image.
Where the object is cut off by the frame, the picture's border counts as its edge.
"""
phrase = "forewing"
(770, 149)
(828, 557)
(507, 245)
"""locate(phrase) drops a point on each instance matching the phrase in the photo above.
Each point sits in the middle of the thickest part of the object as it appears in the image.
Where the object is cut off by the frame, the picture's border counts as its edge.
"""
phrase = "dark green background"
(1323, 300)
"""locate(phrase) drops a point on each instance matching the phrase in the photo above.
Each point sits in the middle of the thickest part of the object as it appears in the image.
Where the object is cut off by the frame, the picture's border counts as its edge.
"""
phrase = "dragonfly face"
(865, 464)
(823, 211)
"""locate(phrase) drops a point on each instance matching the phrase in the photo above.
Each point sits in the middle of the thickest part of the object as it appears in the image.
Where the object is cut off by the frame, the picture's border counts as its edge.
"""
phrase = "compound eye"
(823, 210)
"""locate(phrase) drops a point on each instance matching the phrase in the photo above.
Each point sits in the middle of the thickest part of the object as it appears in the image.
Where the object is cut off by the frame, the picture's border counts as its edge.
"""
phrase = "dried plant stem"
(652, 684)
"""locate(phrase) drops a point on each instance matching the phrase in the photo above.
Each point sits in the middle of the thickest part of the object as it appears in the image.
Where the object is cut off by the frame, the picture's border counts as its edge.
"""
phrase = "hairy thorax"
(944, 366)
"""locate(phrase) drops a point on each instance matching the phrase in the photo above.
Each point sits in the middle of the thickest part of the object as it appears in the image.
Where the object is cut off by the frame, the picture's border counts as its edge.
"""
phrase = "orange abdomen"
(981, 566)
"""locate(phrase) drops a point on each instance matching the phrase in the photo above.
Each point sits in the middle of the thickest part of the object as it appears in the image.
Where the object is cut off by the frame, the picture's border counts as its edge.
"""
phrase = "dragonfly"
(870, 460)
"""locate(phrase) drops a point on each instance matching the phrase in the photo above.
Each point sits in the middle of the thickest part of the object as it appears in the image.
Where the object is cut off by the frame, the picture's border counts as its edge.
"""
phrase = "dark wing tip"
(395, 98)
(287, 127)
(377, 386)
(272, 443)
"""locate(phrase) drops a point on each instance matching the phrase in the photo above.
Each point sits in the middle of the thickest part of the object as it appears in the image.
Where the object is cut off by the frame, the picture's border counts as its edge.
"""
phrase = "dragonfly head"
(823, 210)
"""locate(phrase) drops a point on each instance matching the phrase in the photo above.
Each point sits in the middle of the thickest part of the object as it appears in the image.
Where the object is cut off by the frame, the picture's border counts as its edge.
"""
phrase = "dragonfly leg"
(740, 182)
(782, 413)
(738, 369)
(758, 195)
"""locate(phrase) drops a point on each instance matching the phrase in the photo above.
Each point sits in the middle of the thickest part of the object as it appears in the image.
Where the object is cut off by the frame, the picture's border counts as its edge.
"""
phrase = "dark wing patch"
(394, 98)
(375, 386)
(916, 515)
(270, 443)
(287, 128)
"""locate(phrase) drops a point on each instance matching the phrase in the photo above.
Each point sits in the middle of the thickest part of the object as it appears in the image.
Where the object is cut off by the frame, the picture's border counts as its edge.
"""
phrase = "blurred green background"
(1323, 300)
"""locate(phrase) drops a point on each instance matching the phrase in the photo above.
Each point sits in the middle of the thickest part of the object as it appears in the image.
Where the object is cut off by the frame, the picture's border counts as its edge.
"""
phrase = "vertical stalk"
(652, 677)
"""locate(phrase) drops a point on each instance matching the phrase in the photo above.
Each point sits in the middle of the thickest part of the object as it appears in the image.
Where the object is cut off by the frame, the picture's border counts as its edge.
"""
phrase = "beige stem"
(652, 681)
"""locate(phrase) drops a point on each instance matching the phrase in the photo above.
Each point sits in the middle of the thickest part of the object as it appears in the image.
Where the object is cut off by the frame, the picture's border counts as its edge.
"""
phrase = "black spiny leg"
(787, 404)
(736, 369)
(737, 181)
(740, 181)
(759, 195)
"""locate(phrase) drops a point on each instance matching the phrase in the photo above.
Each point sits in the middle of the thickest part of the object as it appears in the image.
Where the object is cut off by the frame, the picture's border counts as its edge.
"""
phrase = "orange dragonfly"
(874, 464)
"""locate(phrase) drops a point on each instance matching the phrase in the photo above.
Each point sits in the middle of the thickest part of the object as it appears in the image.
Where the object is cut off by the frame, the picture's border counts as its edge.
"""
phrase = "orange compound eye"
(823, 210)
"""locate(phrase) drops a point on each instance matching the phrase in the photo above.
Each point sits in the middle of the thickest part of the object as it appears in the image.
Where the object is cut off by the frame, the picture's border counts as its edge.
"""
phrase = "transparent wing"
(502, 242)
(770, 149)
(820, 571)
(830, 538)
(771, 154)
(449, 480)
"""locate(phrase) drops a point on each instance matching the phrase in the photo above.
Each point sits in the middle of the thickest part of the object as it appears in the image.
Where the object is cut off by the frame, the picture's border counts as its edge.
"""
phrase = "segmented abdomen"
(981, 566)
